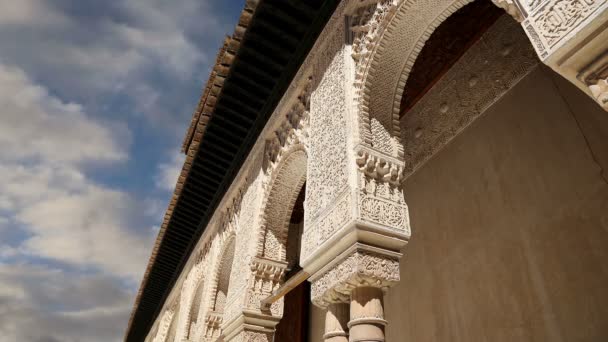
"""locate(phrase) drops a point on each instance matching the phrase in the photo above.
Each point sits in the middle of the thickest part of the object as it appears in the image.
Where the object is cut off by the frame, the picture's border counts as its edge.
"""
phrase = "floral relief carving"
(360, 268)
(327, 171)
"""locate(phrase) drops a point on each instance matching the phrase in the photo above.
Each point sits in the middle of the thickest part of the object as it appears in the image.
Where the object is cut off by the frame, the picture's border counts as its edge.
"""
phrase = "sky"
(95, 99)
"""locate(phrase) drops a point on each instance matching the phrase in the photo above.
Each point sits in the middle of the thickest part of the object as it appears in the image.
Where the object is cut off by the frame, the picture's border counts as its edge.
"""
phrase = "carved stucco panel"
(551, 23)
(327, 164)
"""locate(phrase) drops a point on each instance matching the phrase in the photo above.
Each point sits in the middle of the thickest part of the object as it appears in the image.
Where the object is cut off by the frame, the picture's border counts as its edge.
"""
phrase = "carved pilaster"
(267, 277)
(253, 322)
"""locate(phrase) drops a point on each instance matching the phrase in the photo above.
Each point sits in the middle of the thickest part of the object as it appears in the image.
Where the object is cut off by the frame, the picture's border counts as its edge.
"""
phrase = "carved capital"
(360, 265)
(511, 7)
(267, 277)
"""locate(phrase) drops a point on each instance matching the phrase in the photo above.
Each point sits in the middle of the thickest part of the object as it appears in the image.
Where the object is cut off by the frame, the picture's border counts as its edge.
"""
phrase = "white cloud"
(39, 303)
(40, 126)
(169, 171)
(65, 215)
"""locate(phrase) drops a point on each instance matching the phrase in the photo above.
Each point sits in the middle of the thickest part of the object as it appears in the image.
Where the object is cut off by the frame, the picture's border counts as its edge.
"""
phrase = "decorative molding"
(366, 25)
(360, 265)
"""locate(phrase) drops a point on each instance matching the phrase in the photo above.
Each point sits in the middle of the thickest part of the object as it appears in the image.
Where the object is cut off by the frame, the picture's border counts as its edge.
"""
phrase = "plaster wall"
(510, 226)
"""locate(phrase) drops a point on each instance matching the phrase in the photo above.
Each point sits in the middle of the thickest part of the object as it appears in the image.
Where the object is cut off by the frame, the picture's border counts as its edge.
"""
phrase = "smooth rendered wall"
(510, 226)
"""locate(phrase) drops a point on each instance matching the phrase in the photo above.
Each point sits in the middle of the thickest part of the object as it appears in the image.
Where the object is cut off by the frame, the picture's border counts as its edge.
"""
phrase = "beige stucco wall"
(510, 226)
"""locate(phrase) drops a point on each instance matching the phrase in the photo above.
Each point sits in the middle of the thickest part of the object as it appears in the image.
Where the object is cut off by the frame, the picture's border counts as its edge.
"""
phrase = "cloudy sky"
(95, 98)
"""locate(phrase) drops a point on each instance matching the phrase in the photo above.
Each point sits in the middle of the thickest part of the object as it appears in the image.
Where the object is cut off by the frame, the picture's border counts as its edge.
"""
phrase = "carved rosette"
(360, 265)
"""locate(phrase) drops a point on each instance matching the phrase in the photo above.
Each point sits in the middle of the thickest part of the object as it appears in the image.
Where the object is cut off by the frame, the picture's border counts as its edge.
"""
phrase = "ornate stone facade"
(338, 129)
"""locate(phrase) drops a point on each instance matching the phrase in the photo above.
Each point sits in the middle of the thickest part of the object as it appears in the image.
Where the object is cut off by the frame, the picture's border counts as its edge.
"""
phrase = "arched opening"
(223, 279)
(195, 309)
(214, 318)
(282, 224)
(294, 325)
(448, 42)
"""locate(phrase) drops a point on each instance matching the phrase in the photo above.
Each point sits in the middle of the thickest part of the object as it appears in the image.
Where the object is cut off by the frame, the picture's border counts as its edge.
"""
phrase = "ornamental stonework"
(327, 160)
(360, 268)
(551, 23)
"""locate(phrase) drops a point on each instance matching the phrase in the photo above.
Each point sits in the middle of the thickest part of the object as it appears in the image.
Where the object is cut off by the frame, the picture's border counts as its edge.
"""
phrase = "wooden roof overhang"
(253, 70)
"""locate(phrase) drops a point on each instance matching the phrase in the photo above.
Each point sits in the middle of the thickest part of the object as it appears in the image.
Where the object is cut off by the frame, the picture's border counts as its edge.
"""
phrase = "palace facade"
(401, 170)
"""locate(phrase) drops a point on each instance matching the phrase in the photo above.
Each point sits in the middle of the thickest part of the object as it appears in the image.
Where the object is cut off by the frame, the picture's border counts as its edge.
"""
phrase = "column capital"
(360, 265)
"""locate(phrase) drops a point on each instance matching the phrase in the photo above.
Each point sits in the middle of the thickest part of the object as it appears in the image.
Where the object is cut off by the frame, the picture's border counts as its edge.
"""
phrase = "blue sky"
(95, 98)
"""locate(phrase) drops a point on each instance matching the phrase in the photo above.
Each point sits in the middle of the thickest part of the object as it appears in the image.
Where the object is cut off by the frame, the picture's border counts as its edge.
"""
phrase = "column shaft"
(336, 320)
(366, 315)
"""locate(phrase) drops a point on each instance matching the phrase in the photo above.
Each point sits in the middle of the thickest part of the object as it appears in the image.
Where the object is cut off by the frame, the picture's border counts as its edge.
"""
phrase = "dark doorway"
(293, 327)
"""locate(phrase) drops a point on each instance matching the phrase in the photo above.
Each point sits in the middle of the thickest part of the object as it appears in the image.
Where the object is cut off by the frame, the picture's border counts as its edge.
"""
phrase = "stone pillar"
(336, 320)
(367, 314)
